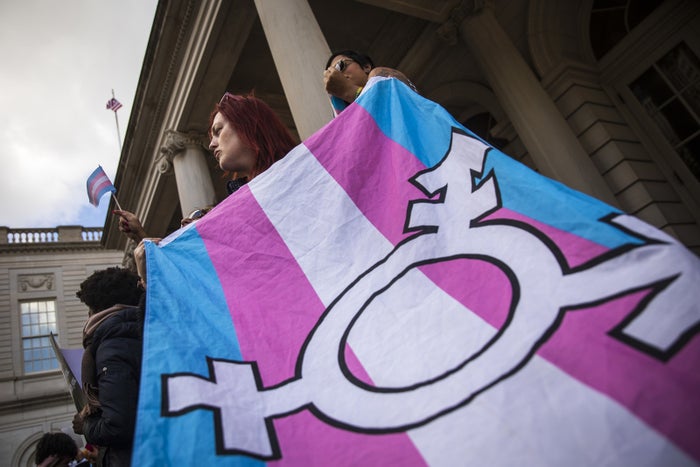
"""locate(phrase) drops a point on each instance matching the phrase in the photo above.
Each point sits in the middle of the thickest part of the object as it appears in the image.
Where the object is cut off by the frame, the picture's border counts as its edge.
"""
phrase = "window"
(38, 321)
(669, 92)
(612, 20)
(655, 73)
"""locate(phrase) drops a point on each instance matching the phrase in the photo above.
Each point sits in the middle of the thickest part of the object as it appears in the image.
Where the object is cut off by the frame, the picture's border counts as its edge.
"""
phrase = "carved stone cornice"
(449, 30)
(32, 248)
(176, 143)
(35, 282)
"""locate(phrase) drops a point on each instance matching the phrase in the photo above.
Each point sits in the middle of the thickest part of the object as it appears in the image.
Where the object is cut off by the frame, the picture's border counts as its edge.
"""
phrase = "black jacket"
(116, 345)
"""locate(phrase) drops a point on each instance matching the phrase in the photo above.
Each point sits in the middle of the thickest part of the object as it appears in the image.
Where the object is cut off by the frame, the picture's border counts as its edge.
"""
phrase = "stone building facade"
(40, 271)
(602, 96)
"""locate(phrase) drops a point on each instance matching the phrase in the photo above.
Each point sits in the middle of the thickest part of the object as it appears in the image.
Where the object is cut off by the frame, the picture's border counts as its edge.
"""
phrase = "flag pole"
(116, 201)
(119, 137)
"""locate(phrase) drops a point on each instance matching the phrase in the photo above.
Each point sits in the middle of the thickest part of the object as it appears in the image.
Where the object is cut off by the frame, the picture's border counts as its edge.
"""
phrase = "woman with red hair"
(246, 137)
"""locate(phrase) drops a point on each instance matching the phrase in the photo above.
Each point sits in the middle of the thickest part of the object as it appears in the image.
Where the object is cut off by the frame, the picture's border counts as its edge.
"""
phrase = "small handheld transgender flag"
(98, 183)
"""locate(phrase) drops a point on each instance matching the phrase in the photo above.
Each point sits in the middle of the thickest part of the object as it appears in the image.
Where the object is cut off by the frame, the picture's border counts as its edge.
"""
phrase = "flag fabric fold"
(98, 184)
(397, 292)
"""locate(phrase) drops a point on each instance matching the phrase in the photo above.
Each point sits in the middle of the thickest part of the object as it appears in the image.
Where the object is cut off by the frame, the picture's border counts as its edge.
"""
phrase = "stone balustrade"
(60, 234)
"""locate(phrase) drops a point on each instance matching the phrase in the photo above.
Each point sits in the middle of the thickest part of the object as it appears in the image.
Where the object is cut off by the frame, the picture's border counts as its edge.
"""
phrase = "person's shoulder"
(131, 313)
(127, 321)
(126, 314)
(391, 73)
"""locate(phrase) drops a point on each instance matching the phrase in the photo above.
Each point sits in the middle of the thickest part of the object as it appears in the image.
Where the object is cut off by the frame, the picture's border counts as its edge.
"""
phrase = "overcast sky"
(59, 61)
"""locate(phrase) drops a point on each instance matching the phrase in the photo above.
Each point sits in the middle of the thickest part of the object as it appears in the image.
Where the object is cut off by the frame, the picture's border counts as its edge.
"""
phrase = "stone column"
(550, 141)
(186, 154)
(300, 51)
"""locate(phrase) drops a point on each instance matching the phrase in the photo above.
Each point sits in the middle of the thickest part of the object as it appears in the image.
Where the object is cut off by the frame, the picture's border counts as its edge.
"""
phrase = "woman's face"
(353, 71)
(229, 150)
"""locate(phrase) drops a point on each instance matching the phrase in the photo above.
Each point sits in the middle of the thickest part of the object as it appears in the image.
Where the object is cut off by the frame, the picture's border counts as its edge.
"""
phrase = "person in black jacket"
(111, 366)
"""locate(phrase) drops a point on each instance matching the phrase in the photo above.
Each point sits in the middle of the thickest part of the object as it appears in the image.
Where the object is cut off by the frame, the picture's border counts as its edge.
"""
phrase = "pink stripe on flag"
(666, 395)
(386, 170)
(273, 312)
(377, 181)
(575, 249)
(273, 309)
(304, 433)
(99, 185)
(340, 447)
(647, 387)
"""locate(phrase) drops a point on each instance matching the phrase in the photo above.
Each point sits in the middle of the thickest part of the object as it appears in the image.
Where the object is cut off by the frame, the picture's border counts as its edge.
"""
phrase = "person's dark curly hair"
(358, 57)
(109, 287)
(55, 444)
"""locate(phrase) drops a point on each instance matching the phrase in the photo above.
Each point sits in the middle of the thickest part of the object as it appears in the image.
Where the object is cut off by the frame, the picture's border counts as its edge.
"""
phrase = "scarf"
(88, 365)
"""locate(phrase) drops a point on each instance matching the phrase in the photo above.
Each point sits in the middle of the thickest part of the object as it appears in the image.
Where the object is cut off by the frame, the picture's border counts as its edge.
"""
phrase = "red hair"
(257, 126)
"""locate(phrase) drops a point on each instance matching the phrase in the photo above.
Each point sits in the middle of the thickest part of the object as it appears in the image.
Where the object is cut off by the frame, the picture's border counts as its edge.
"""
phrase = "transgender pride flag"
(396, 292)
(98, 184)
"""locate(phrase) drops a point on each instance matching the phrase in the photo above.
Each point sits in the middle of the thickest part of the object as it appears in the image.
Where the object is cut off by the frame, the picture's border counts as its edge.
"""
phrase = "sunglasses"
(341, 65)
(224, 97)
(197, 214)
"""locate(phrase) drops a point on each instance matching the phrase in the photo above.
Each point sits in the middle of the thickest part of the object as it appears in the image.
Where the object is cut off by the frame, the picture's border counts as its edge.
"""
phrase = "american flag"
(114, 104)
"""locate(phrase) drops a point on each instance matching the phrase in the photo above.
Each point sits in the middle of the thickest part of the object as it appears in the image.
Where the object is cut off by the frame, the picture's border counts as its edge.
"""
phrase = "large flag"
(113, 104)
(98, 184)
(397, 292)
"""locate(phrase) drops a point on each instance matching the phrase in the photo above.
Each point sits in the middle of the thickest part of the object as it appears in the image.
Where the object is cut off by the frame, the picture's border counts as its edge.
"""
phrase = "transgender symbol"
(450, 226)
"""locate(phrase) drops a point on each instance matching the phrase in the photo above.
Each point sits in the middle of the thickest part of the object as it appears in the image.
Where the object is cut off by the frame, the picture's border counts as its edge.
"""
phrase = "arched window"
(669, 91)
(612, 20)
(655, 72)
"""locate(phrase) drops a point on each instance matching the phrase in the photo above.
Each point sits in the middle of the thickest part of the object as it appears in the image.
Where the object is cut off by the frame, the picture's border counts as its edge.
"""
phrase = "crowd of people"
(247, 138)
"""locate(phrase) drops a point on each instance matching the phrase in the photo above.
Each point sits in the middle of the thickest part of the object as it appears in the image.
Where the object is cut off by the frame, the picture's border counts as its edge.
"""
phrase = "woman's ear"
(367, 68)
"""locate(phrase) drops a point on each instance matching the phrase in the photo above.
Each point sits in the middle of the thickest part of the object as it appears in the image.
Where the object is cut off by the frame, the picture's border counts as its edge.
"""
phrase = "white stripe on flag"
(537, 413)
(306, 234)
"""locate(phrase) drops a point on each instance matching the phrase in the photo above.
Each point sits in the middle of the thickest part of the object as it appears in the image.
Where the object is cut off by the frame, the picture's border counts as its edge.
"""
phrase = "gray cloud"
(60, 61)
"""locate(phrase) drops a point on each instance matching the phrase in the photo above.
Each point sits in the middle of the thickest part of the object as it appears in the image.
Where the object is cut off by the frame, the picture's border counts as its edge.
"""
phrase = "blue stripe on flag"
(522, 190)
(195, 315)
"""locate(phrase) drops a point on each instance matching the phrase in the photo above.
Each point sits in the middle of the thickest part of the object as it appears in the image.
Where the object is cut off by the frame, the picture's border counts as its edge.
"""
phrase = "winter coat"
(116, 347)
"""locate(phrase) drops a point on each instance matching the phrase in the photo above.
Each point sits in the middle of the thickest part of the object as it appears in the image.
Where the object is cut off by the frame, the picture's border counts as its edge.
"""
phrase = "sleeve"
(118, 385)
